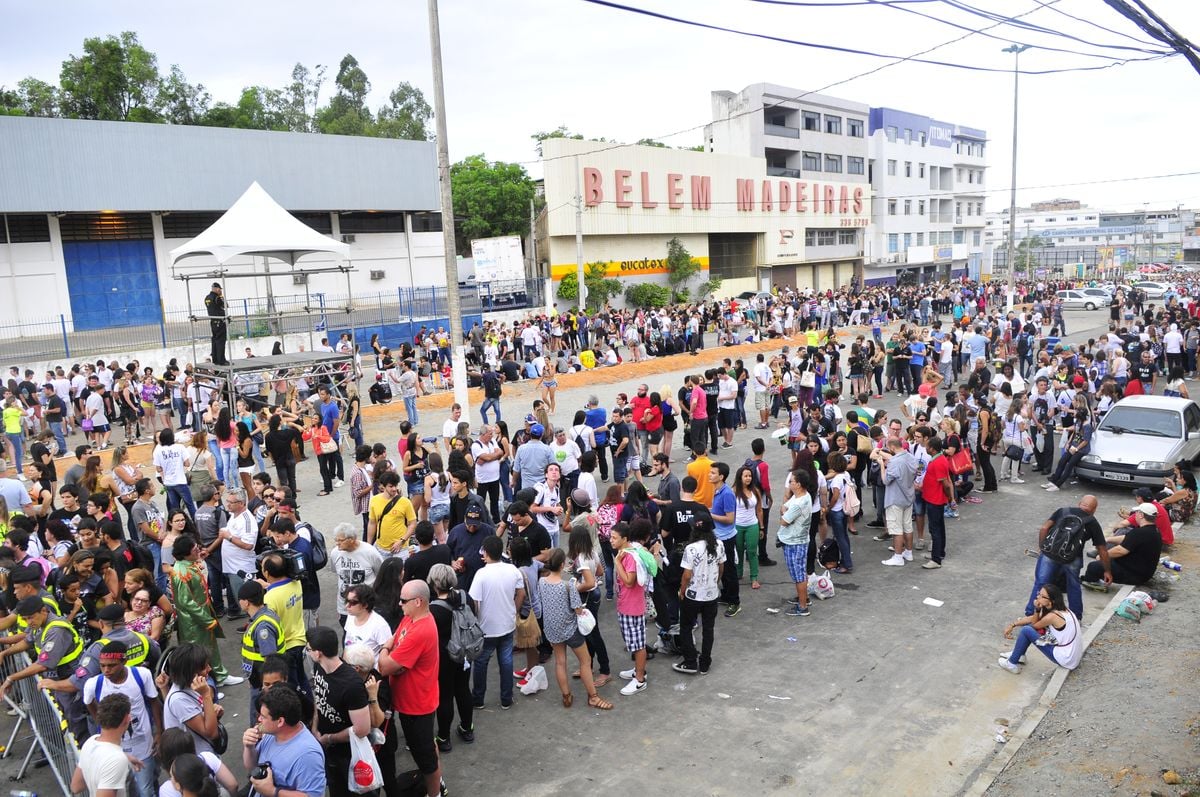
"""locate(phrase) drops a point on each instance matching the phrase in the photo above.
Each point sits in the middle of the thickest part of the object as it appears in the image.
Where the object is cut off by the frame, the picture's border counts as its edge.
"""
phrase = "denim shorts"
(416, 488)
(918, 505)
(620, 469)
(438, 512)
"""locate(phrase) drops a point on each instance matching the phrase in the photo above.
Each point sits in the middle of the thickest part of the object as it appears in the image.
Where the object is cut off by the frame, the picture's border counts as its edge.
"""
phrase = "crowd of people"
(488, 539)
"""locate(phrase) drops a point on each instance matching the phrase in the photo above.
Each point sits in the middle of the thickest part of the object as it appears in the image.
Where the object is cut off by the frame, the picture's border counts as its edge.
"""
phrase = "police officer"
(56, 647)
(140, 650)
(214, 303)
(26, 582)
(262, 637)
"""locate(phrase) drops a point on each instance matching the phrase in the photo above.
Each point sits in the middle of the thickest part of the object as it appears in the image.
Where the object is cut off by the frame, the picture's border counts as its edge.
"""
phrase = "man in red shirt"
(936, 489)
(411, 662)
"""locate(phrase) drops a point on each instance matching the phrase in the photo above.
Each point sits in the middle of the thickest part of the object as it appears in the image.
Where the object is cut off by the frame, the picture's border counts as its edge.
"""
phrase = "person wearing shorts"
(795, 522)
(631, 606)
(899, 492)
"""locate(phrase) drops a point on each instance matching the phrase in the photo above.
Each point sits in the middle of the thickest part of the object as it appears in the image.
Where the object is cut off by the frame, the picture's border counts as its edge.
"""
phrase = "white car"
(1153, 290)
(1141, 439)
(1078, 300)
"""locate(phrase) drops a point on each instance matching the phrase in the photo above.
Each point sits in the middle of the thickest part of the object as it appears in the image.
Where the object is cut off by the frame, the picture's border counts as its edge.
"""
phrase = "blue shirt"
(298, 763)
(329, 416)
(596, 418)
(724, 503)
(918, 353)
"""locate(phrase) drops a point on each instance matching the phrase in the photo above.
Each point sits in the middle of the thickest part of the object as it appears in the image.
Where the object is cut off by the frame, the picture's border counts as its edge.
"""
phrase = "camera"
(293, 561)
(261, 771)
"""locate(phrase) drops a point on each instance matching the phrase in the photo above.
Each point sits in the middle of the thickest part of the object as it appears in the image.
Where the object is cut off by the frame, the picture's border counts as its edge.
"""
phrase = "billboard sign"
(498, 259)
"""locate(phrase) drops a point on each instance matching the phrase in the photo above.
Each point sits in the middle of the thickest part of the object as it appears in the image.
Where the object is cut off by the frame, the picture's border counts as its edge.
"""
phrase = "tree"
(649, 142)
(406, 114)
(490, 199)
(681, 267)
(1025, 257)
(116, 78)
(259, 108)
(180, 102)
(38, 98)
(347, 113)
(708, 288)
(647, 294)
(600, 288)
(302, 96)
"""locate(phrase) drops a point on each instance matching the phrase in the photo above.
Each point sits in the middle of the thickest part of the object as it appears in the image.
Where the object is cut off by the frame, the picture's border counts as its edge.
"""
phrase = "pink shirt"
(699, 404)
(631, 601)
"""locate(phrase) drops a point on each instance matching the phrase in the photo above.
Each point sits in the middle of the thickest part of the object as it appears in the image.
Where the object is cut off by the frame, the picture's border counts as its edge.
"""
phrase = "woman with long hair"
(387, 585)
(1012, 441)
(747, 521)
(1052, 628)
(191, 776)
(176, 742)
(670, 421)
(415, 467)
(437, 496)
(179, 522)
(703, 563)
(128, 396)
(124, 477)
(588, 570)
(638, 506)
(227, 446)
(187, 670)
(561, 606)
(505, 442)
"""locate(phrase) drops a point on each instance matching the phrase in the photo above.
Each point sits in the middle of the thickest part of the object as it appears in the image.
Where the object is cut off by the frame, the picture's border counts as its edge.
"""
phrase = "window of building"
(1072, 218)
(833, 164)
(732, 255)
(893, 243)
(26, 229)
(847, 237)
(907, 240)
(908, 207)
(921, 138)
(820, 237)
(1120, 237)
(891, 133)
(363, 222)
(424, 221)
(811, 162)
(920, 207)
(854, 165)
(106, 227)
(321, 222)
(891, 207)
(908, 135)
(1095, 238)
(920, 170)
(908, 168)
(958, 236)
(854, 128)
(833, 124)
(978, 208)
(811, 121)
(920, 239)
(891, 168)
(187, 225)
(1051, 220)
(976, 238)
(1089, 218)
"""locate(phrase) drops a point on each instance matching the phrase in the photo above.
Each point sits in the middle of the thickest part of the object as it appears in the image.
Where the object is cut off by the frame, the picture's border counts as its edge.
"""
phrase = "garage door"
(112, 283)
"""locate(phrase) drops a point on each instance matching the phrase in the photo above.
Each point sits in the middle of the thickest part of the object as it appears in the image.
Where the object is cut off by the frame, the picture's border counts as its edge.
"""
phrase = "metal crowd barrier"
(48, 729)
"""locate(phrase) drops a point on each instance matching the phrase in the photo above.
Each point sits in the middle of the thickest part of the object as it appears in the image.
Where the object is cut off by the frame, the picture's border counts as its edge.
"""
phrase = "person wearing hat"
(533, 455)
(189, 585)
(56, 647)
(1162, 518)
(25, 581)
(263, 635)
(214, 303)
(117, 676)
(464, 545)
(1133, 555)
(139, 649)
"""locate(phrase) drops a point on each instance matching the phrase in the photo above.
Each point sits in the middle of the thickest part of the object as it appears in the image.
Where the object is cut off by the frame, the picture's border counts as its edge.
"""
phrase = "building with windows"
(927, 211)
(802, 136)
(90, 210)
(745, 225)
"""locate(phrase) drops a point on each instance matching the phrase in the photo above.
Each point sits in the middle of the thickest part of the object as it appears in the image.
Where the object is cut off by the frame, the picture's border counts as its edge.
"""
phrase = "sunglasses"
(408, 600)
(350, 602)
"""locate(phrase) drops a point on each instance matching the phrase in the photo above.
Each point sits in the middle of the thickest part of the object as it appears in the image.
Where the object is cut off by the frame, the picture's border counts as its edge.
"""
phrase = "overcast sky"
(517, 66)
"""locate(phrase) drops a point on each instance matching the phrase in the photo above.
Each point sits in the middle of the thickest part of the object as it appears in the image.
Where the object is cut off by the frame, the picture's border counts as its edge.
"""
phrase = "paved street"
(875, 693)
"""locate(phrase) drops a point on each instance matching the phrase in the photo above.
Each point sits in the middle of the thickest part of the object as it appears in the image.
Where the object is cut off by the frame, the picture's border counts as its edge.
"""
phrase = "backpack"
(850, 503)
(466, 636)
(100, 679)
(320, 556)
(142, 557)
(862, 438)
(995, 430)
(1064, 541)
(755, 477)
(828, 554)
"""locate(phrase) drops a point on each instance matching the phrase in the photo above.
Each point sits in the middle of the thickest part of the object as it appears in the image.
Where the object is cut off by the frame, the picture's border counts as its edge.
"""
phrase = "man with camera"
(284, 596)
(280, 753)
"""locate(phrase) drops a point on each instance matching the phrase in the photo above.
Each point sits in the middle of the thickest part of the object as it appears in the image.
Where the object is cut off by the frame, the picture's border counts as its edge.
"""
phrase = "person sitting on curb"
(1051, 627)
(1133, 554)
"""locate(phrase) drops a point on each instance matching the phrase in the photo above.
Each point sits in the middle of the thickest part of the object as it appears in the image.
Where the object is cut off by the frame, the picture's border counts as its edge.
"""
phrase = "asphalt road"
(874, 693)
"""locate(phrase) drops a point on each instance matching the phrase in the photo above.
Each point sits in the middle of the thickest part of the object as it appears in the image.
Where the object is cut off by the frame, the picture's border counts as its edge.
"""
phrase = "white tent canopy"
(257, 226)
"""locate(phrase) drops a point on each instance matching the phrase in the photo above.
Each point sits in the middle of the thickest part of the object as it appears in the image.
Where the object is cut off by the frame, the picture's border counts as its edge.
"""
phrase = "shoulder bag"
(528, 632)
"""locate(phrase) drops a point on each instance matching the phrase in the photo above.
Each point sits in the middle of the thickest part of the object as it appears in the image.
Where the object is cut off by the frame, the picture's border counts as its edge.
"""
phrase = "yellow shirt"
(698, 470)
(286, 599)
(12, 420)
(393, 528)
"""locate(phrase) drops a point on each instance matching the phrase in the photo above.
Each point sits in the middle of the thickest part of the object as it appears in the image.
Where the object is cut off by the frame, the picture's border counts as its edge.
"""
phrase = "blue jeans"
(410, 407)
(1026, 637)
(503, 648)
(837, 523)
(1047, 571)
(935, 522)
(180, 408)
(227, 464)
(179, 495)
(492, 403)
(145, 780)
(258, 457)
(218, 462)
(18, 444)
(56, 429)
(620, 468)
(505, 485)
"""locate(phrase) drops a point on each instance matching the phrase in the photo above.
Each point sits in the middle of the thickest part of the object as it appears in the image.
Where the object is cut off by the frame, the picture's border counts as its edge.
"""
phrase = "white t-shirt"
(495, 589)
(374, 633)
(95, 408)
(746, 511)
(450, 428)
(104, 766)
(705, 584)
(587, 482)
(839, 483)
(173, 460)
(233, 558)
(762, 372)
(547, 497)
(485, 472)
(567, 455)
(138, 738)
(353, 568)
(726, 393)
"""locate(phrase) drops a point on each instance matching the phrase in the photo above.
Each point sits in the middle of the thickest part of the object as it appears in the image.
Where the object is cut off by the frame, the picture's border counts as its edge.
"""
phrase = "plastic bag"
(821, 586)
(1129, 610)
(1143, 601)
(365, 774)
(586, 621)
(535, 681)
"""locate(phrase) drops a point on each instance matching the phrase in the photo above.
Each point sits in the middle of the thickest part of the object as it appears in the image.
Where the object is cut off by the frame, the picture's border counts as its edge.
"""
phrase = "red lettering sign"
(844, 200)
(745, 194)
(858, 200)
(593, 187)
(767, 203)
(623, 188)
(646, 203)
(828, 200)
(675, 191)
(785, 195)
(801, 197)
(701, 192)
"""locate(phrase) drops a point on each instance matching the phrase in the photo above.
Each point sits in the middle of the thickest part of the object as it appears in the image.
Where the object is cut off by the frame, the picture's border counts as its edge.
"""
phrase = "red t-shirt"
(932, 489)
(655, 422)
(1163, 521)
(640, 404)
(415, 647)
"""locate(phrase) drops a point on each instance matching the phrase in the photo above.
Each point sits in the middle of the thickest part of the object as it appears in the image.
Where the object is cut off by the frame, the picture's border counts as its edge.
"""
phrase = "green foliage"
(1026, 256)
(681, 266)
(347, 113)
(180, 102)
(600, 288)
(708, 288)
(649, 142)
(490, 199)
(647, 294)
(405, 115)
(116, 78)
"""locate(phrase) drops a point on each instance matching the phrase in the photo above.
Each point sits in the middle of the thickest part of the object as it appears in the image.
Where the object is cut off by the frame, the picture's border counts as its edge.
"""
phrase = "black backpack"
(1064, 541)
(829, 554)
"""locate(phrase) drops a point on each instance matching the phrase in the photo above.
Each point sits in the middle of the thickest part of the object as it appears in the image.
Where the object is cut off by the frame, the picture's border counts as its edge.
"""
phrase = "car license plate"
(1117, 477)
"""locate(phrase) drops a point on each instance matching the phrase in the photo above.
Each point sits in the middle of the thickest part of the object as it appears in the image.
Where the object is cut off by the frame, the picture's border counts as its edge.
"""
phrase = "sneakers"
(1095, 586)
(895, 560)
(629, 674)
(1005, 664)
(876, 524)
(1051, 487)
(1015, 480)
(907, 555)
(338, 483)
(885, 537)
(766, 561)
(1008, 655)
(505, 705)
(798, 611)
(950, 513)
(466, 734)
(232, 680)
(443, 745)
(520, 673)
(733, 609)
(684, 667)
(920, 546)
(932, 565)
(633, 687)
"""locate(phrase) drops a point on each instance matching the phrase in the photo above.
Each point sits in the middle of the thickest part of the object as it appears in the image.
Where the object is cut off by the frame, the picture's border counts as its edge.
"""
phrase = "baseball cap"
(793, 399)
(26, 575)
(559, 430)
(28, 607)
(531, 418)
(473, 515)
(537, 430)
(1149, 510)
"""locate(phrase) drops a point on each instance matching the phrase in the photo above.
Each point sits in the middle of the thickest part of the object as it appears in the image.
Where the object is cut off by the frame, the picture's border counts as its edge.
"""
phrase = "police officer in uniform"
(26, 582)
(56, 646)
(214, 303)
(140, 650)
(262, 637)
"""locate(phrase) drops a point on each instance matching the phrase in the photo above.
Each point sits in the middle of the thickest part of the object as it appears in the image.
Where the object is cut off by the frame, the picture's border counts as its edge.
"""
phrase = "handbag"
(586, 621)
(1014, 452)
(961, 462)
(86, 424)
(808, 379)
(528, 632)
(365, 773)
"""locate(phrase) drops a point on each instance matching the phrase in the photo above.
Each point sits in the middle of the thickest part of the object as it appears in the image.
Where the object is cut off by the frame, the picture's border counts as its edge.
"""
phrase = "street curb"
(1005, 755)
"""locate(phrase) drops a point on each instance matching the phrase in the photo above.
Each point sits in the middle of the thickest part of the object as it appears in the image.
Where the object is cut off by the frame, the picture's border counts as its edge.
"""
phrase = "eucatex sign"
(674, 191)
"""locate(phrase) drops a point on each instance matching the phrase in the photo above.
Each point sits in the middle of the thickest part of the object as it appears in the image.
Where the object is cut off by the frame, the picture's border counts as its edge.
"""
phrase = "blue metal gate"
(112, 283)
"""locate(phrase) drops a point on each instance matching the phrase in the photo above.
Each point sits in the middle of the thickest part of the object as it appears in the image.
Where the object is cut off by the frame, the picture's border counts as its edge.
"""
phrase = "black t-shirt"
(512, 371)
(66, 516)
(1091, 527)
(336, 694)
(537, 537)
(711, 391)
(55, 403)
(679, 518)
(419, 564)
(279, 444)
(1144, 544)
(1144, 371)
(620, 431)
(491, 384)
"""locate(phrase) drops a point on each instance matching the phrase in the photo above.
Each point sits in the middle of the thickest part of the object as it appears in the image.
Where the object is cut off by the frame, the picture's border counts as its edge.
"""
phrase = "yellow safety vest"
(135, 655)
(76, 649)
(249, 651)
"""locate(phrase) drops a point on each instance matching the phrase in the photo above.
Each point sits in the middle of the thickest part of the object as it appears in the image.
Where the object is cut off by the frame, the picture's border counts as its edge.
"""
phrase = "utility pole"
(453, 301)
(1016, 50)
(579, 239)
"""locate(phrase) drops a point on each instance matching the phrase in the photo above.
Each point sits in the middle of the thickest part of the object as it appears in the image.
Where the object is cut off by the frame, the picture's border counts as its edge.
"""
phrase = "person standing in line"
(239, 538)
(410, 388)
(137, 685)
(281, 738)
(703, 563)
(899, 480)
(498, 591)
(214, 304)
(103, 766)
(795, 524)
(341, 704)
(937, 490)
(332, 467)
(723, 509)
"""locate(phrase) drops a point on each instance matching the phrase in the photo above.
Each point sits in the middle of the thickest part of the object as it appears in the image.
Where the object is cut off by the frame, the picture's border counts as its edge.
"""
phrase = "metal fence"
(320, 313)
(48, 732)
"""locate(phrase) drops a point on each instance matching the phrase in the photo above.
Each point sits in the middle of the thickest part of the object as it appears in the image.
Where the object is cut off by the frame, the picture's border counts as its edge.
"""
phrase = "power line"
(1029, 26)
(1086, 21)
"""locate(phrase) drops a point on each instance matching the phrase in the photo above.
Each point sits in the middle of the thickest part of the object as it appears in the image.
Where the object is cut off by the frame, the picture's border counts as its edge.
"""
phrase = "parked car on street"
(1078, 300)
(1140, 440)
(1154, 290)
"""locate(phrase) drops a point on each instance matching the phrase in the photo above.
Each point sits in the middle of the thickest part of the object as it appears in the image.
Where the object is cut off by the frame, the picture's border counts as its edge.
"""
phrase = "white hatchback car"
(1078, 300)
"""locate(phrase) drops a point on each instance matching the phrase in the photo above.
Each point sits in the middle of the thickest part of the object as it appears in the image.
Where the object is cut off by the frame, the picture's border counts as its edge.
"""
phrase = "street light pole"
(1016, 50)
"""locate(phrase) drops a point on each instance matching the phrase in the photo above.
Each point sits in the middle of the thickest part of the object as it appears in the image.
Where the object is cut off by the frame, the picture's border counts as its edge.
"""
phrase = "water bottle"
(1167, 563)
(22, 793)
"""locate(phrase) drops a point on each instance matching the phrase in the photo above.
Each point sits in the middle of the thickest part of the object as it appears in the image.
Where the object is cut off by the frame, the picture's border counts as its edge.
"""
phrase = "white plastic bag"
(586, 621)
(535, 680)
(821, 586)
(365, 774)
